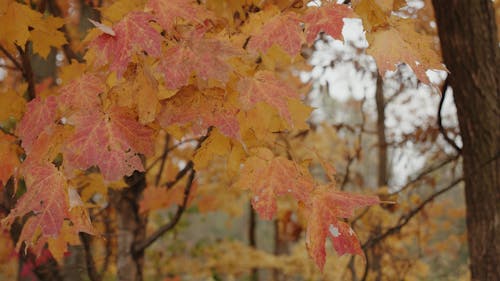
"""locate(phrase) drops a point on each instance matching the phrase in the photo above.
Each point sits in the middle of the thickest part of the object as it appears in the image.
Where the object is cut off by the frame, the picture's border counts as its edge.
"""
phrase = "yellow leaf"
(371, 13)
(45, 35)
(215, 145)
(300, 113)
(70, 71)
(22, 16)
(12, 104)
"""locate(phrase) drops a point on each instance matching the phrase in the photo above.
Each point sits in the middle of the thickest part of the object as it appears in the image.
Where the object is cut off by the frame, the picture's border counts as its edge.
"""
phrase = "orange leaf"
(268, 177)
(8, 154)
(266, 87)
(201, 109)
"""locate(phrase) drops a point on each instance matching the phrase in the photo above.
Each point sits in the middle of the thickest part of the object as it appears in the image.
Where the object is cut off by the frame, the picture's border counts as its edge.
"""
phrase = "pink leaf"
(133, 34)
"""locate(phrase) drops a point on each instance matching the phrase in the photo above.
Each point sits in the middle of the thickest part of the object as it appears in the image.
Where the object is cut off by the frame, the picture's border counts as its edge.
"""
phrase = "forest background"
(227, 140)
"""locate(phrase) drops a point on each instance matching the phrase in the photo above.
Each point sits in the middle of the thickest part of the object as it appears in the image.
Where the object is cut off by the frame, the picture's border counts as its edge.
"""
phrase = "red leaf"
(167, 12)
(47, 198)
(133, 34)
(110, 140)
(202, 109)
(39, 114)
(327, 18)
(81, 93)
(266, 87)
(327, 206)
(283, 30)
(268, 176)
(205, 57)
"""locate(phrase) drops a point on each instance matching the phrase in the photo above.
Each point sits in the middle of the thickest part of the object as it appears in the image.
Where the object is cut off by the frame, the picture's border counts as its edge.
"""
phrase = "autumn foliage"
(207, 79)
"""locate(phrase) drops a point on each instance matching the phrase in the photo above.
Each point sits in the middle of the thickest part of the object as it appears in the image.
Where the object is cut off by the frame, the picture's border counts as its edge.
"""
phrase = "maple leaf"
(373, 13)
(167, 12)
(45, 34)
(327, 18)
(327, 206)
(111, 140)
(266, 87)
(12, 104)
(268, 177)
(47, 198)
(156, 197)
(206, 57)
(202, 109)
(39, 114)
(30, 24)
(22, 16)
(139, 91)
(132, 34)
(8, 154)
(283, 30)
(81, 93)
(400, 43)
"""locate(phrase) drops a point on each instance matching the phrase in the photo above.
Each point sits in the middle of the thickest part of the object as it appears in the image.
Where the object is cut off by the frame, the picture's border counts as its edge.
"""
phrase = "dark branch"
(180, 175)
(68, 52)
(345, 179)
(163, 160)
(405, 219)
(11, 58)
(440, 120)
(27, 70)
(157, 160)
(89, 259)
(426, 172)
(142, 245)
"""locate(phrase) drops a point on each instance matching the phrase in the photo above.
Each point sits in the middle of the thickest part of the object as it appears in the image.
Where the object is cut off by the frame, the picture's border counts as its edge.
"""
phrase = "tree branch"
(142, 245)
(405, 219)
(68, 52)
(189, 166)
(440, 120)
(163, 160)
(11, 58)
(27, 70)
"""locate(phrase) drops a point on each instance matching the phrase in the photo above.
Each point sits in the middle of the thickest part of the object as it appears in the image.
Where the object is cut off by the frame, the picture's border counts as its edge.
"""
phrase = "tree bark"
(131, 228)
(469, 43)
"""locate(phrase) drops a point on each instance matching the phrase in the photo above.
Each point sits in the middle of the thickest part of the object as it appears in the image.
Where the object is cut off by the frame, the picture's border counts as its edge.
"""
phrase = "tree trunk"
(469, 44)
(376, 251)
(131, 228)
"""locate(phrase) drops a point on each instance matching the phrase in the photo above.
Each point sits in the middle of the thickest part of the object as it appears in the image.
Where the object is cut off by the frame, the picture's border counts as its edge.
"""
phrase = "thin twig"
(142, 245)
(440, 120)
(345, 179)
(157, 160)
(426, 172)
